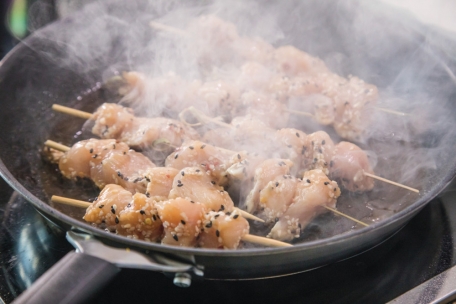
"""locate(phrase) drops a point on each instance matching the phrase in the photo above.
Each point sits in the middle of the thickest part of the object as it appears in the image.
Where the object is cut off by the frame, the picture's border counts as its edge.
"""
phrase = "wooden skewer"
(247, 238)
(71, 111)
(391, 111)
(391, 182)
(345, 215)
(63, 148)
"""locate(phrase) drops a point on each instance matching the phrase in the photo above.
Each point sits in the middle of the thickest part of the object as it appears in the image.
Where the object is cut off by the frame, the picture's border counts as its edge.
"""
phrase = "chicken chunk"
(312, 193)
(264, 173)
(348, 165)
(276, 196)
(159, 182)
(106, 208)
(182, 221)
(222, 230)
(140, 220)
(199, 186)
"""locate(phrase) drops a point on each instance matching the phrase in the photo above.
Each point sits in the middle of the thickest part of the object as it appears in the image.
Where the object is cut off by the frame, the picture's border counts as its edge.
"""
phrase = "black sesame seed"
(183, 173)
(183, 222)
(142, 212)
(222, 208)
(95, 156)
(209, 225)
(308, 181)
(217, 233)
(91, 151)
(331, 163)
(180, 185)
(154, 217)
(113, 210)
(276, 219)
(192, 202)
(235, 216)
(323, 142)
(197, 170)
(113, 146)
(202, 147)
(239, 156)
(335, 189)
(129, 205)
(297, 134)
(176, 156)
(191, 148)
(124, 153)
(217, 215)
(277, 184)
(117, 220)
(326, 183)
(213, 183)
(101, 206)
(147, 179)
(320, 151)
(175, 237)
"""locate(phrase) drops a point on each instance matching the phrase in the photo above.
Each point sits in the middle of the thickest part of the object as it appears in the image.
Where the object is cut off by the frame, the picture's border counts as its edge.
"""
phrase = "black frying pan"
(50, 67)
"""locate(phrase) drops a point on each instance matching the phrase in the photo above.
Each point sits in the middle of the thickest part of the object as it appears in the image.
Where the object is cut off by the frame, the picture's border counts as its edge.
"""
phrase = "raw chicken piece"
(314, 191)
(159, 182)
(220, 98)
(182, 221)
(271, 112)
(318, 151)
(292, 144)
(276, 196)
(199, 186)
(348, 165)
(222, 230)
(292, 62)
(140, 220)
(106, 208)
(207, 157)
(117, 122)
(264, 173)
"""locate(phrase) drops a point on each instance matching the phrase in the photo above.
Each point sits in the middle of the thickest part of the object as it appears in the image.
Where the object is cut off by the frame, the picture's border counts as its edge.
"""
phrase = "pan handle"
(74, 279)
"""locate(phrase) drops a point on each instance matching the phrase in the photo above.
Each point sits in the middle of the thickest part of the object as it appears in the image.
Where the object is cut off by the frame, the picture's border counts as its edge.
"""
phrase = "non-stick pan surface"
(51, 67)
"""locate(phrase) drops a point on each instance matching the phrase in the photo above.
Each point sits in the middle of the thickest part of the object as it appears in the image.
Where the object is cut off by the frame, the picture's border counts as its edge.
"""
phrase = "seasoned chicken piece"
(276, 196)
(85, 154)
(212, 39)
(279, 88)
(254, 76)
(126, 169)
(220, 98)
(182, 221)
(207, 157)
(264, 173)
(271, 112)
(222, 230)
(117, 122)
(348, 165)
(254, 49)
(353, 103)
(159, 182)
(140, 220)
(292, 144)
(199, 186)
(248, 133)
(292, 62)
(314, 191)
(318, 151)
(106, 208)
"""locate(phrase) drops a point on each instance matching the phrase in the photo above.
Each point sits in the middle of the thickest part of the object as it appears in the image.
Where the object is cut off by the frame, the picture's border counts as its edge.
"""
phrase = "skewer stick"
(203, 118)
(391, 111)
(71, 111)
(55, 145)
(391, 182)
(301, 113)
(345, 215)
(247, 238)
(63, 148)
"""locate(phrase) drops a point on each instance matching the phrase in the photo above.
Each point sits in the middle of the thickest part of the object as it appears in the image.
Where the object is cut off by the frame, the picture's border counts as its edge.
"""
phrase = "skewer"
(345, 215)
(63, 148)
(71, 111)
(247, 238)
(391, 182)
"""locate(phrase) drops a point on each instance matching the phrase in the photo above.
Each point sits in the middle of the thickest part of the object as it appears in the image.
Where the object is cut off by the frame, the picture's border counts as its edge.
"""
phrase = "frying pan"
(52, 66)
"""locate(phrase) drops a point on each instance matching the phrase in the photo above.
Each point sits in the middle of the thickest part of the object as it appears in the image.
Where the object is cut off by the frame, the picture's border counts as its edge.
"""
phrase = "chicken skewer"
(82, 204)
(116, 122)
(354, 159)
(153, 181)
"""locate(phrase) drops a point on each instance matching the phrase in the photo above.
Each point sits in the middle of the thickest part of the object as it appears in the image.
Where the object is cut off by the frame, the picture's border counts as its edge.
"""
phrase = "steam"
(392, 54)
